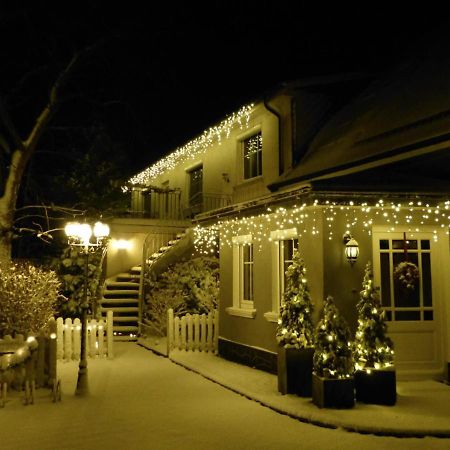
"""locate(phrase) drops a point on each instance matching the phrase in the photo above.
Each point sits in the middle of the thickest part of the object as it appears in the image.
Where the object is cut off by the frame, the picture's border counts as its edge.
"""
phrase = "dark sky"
(166, 71)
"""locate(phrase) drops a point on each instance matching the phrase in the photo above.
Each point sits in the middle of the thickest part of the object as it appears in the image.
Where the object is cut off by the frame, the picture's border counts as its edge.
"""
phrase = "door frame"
(440, 268)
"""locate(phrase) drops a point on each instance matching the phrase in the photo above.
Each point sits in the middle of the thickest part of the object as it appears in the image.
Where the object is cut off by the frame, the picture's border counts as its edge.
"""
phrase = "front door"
(412, 304)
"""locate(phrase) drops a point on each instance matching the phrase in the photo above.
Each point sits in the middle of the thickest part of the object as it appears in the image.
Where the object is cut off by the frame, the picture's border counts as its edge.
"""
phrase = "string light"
(192, 149)
(307, 218)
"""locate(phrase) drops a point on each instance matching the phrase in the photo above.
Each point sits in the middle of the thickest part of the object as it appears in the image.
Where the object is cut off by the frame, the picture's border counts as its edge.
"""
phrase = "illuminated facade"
(301, 168)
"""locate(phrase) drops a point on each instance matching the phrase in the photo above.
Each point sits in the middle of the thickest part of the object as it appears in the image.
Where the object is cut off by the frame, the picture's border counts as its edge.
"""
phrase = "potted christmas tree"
(295, 333)
(333, 384)
(373, 350)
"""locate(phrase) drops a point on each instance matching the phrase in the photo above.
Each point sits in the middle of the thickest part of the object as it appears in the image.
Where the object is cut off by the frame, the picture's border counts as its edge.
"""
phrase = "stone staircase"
(121, 296)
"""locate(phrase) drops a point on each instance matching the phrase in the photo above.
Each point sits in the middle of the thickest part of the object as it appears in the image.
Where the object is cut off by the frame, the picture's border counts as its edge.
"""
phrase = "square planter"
(295, 371)
(377, 387)
(333, 393)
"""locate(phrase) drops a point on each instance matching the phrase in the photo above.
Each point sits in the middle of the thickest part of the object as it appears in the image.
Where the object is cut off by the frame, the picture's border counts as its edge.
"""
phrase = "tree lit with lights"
(333, 353)
(373, 349)
(295, 326)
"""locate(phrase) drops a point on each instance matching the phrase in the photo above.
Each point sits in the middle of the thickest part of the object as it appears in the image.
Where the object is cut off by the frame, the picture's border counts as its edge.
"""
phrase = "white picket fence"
(99, 341)
(193, 332)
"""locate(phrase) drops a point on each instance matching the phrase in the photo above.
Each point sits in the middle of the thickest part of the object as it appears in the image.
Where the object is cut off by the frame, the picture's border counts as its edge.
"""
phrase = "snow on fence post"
(170, 324)
(52, 349)
(101, 337)
(60, 338)
(196, 332)
(183, 333)
(203, 331)
(109, 333)
(192, 332)
(93, 345)
(210, 347)
(190, 340)
(76, 338)
(216, 331)
(176, 333)
(68, 339)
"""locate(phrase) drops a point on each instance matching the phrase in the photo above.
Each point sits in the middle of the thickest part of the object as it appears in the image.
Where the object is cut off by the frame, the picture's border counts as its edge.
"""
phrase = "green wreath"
(407, 274)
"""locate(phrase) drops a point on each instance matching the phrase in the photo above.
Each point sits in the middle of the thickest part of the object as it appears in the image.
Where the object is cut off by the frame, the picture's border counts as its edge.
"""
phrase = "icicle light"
(306, 219)
(195, 147)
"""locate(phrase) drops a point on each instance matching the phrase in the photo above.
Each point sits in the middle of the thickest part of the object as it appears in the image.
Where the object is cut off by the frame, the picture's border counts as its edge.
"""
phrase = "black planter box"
(377, 387)
(333, 393)
(295, 371)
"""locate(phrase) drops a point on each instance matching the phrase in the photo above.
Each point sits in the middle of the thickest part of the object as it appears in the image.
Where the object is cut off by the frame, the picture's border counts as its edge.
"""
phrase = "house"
(305, 166)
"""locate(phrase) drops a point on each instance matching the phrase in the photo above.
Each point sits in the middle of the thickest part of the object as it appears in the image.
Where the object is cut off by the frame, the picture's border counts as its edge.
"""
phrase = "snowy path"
(143, 401)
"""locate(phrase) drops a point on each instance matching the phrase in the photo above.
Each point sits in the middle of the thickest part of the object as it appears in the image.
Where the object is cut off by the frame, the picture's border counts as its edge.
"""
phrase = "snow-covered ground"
(422, 408)
(143, 401)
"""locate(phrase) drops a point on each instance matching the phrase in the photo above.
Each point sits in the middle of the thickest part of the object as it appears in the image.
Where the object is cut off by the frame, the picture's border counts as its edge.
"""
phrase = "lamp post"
(79, 237)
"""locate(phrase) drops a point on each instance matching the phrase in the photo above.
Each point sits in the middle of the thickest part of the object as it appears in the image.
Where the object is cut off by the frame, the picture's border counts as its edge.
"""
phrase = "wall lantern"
(351, 248)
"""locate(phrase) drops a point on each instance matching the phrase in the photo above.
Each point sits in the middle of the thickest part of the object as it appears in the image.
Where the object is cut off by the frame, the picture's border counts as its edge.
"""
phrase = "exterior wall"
(257, 332)
(342, 280)
(222, 162)
(328, 273)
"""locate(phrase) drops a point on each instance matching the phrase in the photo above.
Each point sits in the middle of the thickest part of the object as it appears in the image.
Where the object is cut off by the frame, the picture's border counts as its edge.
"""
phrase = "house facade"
(303, 168)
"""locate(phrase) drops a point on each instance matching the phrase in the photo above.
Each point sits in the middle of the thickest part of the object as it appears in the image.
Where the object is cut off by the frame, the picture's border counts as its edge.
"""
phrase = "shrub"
(187, 287)
(28, 298)
(70, 268)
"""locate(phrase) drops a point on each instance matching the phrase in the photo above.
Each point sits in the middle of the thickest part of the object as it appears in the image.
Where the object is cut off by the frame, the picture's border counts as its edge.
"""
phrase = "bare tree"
(16, 151)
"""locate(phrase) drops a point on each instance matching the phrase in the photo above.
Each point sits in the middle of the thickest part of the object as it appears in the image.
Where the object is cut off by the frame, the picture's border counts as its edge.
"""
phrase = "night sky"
(163, 72)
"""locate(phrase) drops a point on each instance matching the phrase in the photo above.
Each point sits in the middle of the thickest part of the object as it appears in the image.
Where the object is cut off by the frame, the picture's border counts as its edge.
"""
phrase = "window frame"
(277, 238)
(259, 155)
(242, 307)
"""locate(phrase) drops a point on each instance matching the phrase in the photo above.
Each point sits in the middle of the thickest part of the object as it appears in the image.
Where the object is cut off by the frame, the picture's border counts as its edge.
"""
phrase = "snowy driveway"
(143, 401)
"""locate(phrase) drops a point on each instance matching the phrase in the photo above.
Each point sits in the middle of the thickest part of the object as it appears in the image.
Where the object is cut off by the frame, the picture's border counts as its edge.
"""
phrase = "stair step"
(110, 293)
(128, 279)
(122, 319)
(119, 285)
(125, 328)
(125, 338)
(120, 309)
(116, 301)
(136, 269)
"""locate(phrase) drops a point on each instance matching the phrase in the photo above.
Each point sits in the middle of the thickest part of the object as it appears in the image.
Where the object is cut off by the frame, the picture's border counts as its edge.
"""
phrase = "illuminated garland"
(195, 147)
(308, 217)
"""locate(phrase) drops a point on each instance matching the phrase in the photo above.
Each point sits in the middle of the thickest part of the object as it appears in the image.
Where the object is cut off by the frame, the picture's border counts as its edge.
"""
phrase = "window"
(284, 242)
(243, 277)
(252, 151)
(195, 186)
(400, 303)
(286, 249)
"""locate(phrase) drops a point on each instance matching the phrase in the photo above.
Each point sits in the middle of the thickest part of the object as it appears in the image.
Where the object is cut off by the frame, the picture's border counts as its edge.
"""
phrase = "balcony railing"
(202, 202)
(157, 204)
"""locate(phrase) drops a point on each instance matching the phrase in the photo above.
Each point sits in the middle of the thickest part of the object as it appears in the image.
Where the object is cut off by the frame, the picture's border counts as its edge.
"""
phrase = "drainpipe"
(280, 152)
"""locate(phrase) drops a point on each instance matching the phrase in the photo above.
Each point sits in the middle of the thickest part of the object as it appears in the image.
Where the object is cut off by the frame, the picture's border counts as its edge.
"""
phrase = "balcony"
(165, 204)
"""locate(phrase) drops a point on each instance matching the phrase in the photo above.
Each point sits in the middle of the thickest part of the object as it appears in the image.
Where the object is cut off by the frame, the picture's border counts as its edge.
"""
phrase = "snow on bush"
(28, 297)
(187, 287)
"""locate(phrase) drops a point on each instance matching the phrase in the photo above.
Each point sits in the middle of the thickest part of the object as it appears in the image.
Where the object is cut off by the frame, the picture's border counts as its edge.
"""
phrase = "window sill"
(271, 316)
(249, 313)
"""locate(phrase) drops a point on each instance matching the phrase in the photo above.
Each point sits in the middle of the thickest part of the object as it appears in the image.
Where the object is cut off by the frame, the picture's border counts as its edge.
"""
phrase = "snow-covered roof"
(402, 112)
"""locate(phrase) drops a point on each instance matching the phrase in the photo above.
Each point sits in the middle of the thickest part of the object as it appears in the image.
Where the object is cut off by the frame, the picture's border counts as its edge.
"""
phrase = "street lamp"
(79, 237)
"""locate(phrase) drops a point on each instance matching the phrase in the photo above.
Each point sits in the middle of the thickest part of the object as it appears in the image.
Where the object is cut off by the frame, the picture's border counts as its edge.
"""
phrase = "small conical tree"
(295, 326)
(333, 349)
(373, 349)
